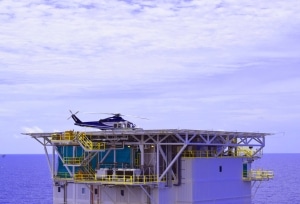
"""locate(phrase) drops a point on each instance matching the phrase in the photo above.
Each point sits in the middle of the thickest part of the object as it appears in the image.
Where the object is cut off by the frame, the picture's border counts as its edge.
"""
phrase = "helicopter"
(115, 122)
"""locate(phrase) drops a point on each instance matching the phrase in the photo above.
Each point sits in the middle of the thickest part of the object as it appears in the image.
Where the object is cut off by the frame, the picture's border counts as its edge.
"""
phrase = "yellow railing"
(126, 179)
(99, 145)
(84, 177)
(258, 175)
(85, 141)
(64, 175)
(212, 153)
(198, 153)
(85, 173)
(246, 152)
(67, 135)
(73, 160)
(119, 179)
(89, 170)
(56, 137)
(88, 144)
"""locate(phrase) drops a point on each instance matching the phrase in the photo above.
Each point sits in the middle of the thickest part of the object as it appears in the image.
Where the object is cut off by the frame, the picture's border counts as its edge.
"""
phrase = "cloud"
(99, 40)
(184, 63)
(71, 27)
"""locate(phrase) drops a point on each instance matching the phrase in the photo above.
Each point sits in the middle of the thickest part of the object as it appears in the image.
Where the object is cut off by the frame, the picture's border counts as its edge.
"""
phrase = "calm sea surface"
(26, 179)
(285, 187)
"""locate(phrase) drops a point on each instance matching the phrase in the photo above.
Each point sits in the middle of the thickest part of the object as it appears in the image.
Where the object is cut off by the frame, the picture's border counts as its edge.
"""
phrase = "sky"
(203, 64)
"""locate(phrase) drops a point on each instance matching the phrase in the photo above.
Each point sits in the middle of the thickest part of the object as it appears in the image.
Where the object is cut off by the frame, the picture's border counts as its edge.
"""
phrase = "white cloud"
(200, 62)
(162, 26)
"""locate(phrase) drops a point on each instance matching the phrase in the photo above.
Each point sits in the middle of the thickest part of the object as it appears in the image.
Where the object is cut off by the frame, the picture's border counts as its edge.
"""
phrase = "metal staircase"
(89, 145)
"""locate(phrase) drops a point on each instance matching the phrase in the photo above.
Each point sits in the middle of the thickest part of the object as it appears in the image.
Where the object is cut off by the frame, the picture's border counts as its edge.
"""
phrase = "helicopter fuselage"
(111, 123)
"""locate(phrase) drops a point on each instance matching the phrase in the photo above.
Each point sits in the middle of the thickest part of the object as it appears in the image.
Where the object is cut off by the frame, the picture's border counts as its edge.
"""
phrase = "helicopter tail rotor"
(72, 114)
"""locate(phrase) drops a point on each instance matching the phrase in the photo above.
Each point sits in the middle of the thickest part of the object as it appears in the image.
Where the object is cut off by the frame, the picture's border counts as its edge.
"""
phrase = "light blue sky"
(207, 64)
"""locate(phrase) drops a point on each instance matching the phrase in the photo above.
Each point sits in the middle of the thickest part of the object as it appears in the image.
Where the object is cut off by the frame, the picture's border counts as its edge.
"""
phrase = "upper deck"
(155, 152)
(158, 137)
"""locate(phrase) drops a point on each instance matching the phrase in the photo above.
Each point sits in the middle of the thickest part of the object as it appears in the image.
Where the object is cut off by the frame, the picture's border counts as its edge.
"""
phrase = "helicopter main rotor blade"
(117, 114)
(136, 117)
(104, 113)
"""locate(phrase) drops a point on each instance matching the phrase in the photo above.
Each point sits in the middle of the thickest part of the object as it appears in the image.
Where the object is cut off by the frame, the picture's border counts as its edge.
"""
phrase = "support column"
(142, 149)
(157, 162)
(53, 163)
(172, 162)
(142, 162)
(115, 161)
(169, 159)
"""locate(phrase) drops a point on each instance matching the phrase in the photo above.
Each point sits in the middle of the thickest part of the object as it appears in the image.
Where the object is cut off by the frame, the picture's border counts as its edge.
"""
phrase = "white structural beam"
(172, 162)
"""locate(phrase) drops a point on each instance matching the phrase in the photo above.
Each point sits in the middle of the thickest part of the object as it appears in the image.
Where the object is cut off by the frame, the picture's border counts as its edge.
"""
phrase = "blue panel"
(61, 169)
(123, 157)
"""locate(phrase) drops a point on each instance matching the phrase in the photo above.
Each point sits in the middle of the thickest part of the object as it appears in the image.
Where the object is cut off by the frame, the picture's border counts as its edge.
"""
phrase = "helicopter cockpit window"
(115, 125)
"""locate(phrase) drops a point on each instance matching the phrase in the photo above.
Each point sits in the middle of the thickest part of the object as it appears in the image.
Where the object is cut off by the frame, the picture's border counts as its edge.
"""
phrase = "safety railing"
(88, 144)
(98, 146)
(126, 179)
(84, 177)
(63, 175)
(85, 173)
(209, 153)
(73, 160)
(67, 135)
(248, 152)
(56, 136)
(116, 179)
(258, 175)
(197, 153)
(89, 170)
(244, 152)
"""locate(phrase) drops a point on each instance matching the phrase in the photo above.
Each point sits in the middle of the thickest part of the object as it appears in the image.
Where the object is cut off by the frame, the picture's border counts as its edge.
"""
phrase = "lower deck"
(215, 180)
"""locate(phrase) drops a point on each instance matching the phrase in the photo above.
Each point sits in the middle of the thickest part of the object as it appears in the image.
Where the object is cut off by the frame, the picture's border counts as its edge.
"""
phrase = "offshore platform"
(164, 166)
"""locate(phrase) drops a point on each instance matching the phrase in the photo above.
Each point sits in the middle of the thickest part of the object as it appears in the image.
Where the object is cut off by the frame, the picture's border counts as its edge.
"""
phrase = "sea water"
(27, 179)
(285, 187)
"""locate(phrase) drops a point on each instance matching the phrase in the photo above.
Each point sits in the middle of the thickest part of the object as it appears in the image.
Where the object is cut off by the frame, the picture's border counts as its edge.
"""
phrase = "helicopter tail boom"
(77, 120)
(73, 115)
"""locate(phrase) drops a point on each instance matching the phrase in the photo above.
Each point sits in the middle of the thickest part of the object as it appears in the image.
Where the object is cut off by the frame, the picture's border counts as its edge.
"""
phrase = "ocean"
(285, 187)
(26, 179)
